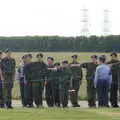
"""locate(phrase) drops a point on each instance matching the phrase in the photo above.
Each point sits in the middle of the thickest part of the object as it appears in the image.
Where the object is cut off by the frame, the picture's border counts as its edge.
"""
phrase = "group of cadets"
(59, 81)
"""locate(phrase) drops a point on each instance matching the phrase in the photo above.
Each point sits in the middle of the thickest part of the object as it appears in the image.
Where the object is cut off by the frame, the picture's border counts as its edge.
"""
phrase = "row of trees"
(57, 43)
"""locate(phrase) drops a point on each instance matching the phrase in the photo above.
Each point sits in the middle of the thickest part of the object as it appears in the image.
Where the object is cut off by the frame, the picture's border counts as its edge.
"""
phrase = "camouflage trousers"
(7, 90)
(91, 93)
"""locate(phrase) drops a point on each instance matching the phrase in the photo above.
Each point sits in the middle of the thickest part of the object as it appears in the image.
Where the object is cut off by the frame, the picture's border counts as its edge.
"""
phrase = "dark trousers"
(113, 94)
(64, 94)
(7, 89)
(74, 95)
(102, 92)
(57, 95)
(28, 93)
(37, 93)
(1, 95)
(91, 93)
(22, 92)
(50, 94)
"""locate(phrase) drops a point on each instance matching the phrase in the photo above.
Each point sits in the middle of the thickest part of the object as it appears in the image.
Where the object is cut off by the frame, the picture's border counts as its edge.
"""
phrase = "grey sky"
(55, 17)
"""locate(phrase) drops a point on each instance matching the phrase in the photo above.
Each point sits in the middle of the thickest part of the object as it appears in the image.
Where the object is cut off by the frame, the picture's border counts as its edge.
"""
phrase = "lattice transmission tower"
(85, 22)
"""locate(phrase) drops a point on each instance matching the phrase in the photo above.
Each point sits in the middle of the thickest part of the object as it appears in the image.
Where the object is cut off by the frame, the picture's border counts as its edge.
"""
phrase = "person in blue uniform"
(102, 82)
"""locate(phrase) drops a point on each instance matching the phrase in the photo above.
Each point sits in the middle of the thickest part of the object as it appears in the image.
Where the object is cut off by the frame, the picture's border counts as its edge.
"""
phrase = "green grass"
(60, 114)
(59, 56)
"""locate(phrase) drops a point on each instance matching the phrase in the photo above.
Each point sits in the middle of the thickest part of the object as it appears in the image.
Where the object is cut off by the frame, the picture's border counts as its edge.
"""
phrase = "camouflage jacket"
(90, 69)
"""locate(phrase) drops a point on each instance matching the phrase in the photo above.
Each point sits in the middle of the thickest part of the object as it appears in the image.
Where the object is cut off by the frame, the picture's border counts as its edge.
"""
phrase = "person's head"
(28, 58)
(74, 57)
(50, 60)
(39, 57)
(102, 59)
(113, 55)
(23, 59)
(8, 53)
(94, 58)
(65, 63)
(1, 54)
(57, 64)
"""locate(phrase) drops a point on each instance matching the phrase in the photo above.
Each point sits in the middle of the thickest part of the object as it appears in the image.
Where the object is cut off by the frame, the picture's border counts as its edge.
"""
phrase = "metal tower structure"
(106, 22)
(85, 22)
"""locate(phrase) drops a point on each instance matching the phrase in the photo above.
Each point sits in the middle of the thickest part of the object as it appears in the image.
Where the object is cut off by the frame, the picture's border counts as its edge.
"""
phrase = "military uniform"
(91, 92)
(76, 81)
(37, 79)
(28, 84)
(1, 91)
(114, 85)
(50, 87)
(64, 84)
(56, 85)
(8, 71)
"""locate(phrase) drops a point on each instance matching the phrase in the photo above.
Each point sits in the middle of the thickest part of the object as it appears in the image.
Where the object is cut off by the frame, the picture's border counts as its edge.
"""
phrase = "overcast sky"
(55, 17)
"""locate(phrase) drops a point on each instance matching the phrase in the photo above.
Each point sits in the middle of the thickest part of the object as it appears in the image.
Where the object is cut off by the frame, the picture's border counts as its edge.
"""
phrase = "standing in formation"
(59, 81)
(8, 71)
(102, 82)
(90, 74)
(114, 85)
(76, 78)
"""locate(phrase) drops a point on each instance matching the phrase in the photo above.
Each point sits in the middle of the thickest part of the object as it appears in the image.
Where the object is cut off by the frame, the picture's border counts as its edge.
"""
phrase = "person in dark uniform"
(114, 85)
(20, 79)
(90, 69)
(102, 82)
(1, 86)
(56, 85)
(76, 81)
(27, 71)
(64, 83)
(50, 83)
(8, 71)
(39, 69)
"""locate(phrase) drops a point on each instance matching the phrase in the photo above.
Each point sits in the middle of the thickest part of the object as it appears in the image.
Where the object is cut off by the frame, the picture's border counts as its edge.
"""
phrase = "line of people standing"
(59, 81)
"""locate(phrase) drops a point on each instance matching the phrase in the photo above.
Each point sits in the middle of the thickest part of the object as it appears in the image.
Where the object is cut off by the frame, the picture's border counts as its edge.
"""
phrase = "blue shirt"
(103, 72)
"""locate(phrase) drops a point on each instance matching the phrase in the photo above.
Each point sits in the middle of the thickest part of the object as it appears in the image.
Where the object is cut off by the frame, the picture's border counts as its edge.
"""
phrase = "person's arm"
(13, 74)
(84, 65)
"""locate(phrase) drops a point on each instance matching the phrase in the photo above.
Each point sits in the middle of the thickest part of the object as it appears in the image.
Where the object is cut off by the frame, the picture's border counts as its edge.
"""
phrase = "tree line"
(57, 43)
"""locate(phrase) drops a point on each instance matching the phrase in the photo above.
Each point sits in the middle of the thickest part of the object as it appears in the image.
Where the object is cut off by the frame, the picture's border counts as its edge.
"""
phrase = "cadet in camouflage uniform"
(90, 69)
(50, 83)
(64, 83)
(8, 71)
(114, 85)
(27, 71)
(76, 81)
(56, 85)
(1, 86)
(39, 69)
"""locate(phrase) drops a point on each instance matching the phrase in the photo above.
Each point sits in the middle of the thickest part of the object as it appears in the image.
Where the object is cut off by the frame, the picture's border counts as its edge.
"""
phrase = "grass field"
(60, 114)
(58, 56)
